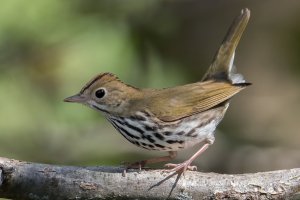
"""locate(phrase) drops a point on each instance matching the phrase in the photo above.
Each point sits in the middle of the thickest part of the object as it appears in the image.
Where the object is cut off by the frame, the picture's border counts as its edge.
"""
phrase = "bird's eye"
(100, 93)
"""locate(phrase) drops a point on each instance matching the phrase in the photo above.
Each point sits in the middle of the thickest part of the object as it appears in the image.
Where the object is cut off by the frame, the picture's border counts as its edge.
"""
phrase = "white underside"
(200, 134)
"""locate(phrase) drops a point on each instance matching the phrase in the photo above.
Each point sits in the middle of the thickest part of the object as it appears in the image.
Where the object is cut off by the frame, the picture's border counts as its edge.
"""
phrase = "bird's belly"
(169, 136)
(187, 135)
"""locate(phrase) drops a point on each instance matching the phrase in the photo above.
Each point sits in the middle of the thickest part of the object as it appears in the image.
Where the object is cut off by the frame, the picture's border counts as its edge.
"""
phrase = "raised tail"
(222, 66)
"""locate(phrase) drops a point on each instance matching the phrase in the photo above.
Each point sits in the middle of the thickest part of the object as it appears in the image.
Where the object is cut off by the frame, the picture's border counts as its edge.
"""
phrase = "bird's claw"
(180, 168)
(136, 165)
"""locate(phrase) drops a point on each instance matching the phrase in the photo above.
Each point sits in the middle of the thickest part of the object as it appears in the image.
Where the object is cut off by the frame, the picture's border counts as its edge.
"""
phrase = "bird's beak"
(77, 98)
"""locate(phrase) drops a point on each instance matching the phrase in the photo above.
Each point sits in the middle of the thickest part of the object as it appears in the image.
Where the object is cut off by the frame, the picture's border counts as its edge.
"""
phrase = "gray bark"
(25, 180)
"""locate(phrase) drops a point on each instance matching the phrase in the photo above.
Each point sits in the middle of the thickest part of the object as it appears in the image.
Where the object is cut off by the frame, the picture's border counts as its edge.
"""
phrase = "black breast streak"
(189, 134)
(159, 136)
(136, 143)
(150, 128)
(180, 133)
(116, 127)
(149, 138)
(124, 131)
(145, 147)
(174, 141)
(134, 127)
(144, 144)
(167, 133)
(160, 146)
(119, 121)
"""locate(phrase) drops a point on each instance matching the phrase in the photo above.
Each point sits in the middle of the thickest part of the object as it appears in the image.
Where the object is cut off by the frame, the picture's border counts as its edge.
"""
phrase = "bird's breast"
(148, 132)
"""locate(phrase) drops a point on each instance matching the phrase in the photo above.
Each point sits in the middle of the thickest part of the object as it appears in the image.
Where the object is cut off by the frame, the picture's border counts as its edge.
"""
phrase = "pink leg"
(182, 167)
(142, 163)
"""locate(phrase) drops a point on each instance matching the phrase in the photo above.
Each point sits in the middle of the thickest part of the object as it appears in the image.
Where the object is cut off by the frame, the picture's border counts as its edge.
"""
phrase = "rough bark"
(25, 180)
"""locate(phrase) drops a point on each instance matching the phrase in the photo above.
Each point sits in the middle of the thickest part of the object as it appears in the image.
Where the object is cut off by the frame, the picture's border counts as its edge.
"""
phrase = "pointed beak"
(77, 98)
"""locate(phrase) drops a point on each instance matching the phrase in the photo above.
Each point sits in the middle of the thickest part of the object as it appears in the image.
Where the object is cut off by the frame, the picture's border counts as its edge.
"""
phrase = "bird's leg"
(142, 163)
(182, 167)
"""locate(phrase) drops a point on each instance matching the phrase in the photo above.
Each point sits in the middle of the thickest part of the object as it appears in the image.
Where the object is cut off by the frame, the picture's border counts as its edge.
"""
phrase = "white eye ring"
(100, 93)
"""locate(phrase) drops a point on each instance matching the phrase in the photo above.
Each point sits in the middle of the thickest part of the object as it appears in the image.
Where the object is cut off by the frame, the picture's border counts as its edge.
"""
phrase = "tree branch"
(25, 180)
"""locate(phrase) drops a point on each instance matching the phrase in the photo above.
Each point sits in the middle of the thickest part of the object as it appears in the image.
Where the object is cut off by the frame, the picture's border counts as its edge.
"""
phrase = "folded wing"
(176, 103)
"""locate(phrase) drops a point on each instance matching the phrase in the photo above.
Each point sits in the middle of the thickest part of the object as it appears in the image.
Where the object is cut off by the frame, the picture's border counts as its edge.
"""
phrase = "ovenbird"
(170, 119)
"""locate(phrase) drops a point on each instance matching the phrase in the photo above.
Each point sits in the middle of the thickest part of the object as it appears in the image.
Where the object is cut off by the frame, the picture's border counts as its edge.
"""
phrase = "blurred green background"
(49, 49)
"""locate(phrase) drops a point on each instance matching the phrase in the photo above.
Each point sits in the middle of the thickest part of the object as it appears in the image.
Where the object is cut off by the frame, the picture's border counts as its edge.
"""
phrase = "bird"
(175, 118)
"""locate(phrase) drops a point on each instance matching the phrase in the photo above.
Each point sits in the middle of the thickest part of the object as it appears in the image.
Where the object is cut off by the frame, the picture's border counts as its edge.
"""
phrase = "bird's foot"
(180, 168)
(136, 165)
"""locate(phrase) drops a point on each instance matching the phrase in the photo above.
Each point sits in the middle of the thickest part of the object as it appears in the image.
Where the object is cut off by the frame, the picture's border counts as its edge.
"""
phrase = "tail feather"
(242, 84)
(222, 66)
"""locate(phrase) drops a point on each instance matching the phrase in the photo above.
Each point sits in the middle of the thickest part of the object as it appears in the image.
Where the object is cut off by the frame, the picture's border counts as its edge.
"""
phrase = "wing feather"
(175, 103)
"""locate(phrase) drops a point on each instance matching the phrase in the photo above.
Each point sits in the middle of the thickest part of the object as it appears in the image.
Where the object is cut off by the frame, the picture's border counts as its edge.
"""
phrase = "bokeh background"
(49, 49)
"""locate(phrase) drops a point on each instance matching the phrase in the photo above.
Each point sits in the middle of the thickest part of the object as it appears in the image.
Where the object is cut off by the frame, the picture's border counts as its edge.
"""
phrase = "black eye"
(100, 93)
